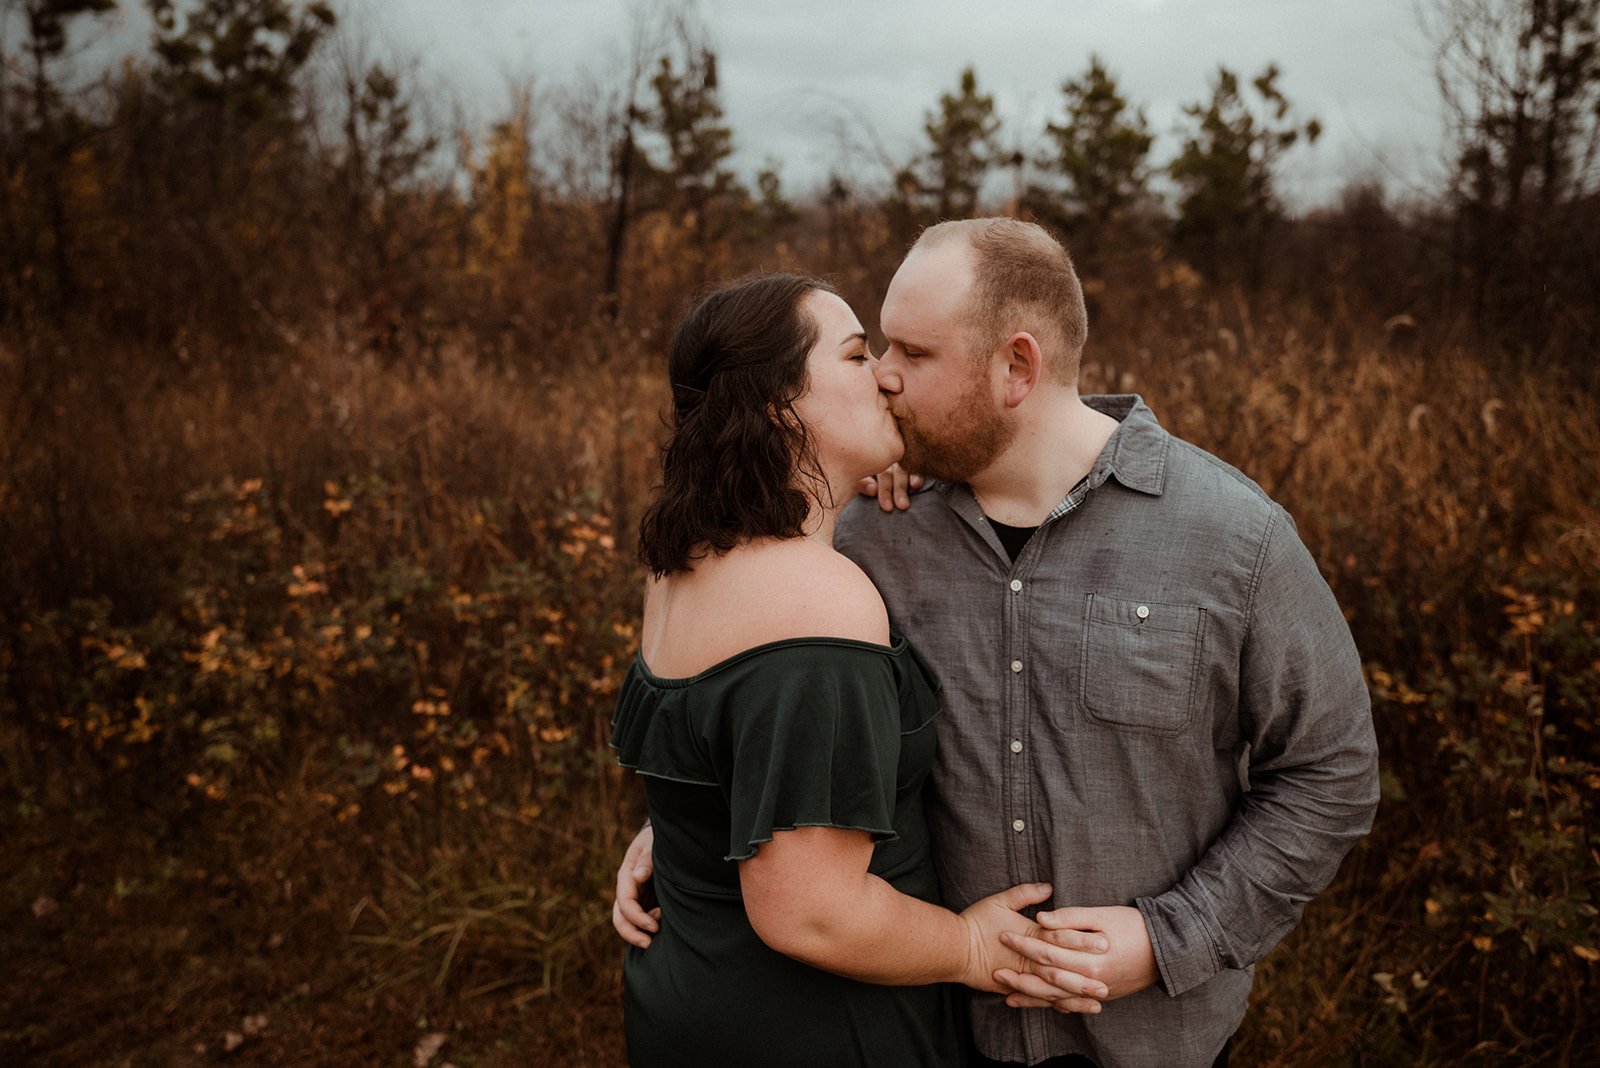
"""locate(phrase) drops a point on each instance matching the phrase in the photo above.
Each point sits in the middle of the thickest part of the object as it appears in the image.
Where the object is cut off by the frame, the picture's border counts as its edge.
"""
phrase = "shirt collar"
(1136, 454)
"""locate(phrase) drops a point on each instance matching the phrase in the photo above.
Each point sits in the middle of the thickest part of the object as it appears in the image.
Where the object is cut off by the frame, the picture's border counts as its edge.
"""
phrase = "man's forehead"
(927, 295)
(948, 261)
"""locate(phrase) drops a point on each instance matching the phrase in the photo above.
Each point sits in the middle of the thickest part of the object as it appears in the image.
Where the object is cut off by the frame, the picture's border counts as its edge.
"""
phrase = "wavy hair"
(738, 459)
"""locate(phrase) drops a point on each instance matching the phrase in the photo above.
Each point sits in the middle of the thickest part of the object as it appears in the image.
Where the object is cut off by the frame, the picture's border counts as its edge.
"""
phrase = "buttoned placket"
(1013, 735)
(1017, 702)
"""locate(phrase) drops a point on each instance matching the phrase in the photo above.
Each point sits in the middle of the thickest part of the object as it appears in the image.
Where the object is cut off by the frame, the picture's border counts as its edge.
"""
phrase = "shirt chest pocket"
(1140, 663)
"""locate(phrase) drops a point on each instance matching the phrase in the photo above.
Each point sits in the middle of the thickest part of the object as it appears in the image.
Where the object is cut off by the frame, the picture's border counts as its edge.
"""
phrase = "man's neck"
(1057, 444)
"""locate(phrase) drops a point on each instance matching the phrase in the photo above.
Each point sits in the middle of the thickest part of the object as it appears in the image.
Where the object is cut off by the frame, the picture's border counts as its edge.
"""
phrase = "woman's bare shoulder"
(755, 596)
(820, 593)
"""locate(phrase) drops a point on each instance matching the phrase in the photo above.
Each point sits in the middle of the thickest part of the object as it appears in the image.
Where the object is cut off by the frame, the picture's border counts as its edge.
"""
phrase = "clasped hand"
(1107, 948)
(1069, 959)
(998, 936)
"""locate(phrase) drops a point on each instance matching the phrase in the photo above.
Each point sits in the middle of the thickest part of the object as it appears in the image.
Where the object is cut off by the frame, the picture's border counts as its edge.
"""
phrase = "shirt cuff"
(1186, 953)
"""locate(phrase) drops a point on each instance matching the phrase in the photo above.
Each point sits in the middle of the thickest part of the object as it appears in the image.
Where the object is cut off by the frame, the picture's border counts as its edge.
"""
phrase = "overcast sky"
(793, 72)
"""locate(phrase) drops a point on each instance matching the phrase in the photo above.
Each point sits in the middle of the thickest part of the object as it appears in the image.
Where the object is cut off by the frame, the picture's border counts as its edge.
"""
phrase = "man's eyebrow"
(921, 342)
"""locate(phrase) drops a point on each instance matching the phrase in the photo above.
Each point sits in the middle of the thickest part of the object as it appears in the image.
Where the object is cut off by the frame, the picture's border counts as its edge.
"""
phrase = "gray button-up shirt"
(1158, 704)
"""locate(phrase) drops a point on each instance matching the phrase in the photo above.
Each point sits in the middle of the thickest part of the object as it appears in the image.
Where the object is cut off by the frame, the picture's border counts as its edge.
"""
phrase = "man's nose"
(887, 372)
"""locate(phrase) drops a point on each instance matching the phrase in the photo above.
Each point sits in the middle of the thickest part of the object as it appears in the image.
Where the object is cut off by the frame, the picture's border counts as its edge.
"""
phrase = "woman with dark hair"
(782, 731)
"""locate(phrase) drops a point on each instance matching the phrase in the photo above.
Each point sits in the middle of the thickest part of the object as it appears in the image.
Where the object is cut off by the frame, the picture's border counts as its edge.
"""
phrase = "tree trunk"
(610, 296)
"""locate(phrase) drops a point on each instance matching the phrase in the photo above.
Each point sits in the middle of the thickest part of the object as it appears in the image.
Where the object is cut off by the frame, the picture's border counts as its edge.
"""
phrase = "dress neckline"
(897, 645)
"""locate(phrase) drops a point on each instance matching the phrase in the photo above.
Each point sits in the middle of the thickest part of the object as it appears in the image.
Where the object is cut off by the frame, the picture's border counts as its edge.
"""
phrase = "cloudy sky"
(793, 74)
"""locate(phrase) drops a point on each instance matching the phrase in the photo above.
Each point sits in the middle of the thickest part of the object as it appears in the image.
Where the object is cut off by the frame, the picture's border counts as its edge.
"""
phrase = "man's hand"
(1128, 965)
(996, 921)
(892, 488)
(631, 915)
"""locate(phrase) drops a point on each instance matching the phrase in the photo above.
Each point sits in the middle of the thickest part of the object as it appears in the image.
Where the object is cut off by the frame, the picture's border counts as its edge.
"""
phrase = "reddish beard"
(957, 447)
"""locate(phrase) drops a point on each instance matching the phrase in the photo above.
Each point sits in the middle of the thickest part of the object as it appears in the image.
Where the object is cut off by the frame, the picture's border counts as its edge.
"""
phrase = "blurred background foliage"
(324, 428)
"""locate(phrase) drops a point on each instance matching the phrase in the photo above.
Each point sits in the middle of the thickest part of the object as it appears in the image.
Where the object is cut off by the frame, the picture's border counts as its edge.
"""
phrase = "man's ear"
(1024, 367)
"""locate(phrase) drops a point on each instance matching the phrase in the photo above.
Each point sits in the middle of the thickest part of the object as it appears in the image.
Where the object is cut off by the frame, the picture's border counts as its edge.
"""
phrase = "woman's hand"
(1124, 963)
(987, 955)
(631, 913)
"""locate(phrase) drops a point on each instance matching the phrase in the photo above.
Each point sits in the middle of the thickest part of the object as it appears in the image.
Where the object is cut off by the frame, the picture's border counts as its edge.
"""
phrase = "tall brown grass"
(305, 675)
(320, 461)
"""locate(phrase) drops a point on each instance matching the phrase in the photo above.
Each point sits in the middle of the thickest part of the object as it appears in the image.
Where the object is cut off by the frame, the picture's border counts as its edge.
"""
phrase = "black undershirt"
(1012, 538)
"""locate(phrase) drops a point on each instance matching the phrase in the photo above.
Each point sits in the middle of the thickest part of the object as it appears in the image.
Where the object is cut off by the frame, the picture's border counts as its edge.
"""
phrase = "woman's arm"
(809, 896)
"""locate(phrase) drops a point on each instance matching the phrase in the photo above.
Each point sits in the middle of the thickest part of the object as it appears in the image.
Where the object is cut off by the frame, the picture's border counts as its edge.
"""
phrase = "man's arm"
(1313, 765)
(1304, 709)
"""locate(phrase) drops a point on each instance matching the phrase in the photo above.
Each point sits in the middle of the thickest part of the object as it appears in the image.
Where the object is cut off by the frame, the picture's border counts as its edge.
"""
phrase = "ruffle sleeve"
(654, 734)
(817, 747)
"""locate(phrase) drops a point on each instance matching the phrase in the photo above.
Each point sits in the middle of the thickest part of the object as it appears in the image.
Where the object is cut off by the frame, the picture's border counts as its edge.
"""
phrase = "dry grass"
(306, 672)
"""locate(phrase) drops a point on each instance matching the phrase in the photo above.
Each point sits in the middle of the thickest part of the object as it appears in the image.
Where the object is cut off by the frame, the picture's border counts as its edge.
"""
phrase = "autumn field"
(323, 441)
(322, 771)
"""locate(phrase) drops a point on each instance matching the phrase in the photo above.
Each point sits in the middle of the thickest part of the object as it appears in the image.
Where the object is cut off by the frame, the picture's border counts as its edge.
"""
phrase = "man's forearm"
(1313, 779)
(1251, 887)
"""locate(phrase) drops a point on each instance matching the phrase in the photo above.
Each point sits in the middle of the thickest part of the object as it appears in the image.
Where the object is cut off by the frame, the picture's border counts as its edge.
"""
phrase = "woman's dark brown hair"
(733, 467)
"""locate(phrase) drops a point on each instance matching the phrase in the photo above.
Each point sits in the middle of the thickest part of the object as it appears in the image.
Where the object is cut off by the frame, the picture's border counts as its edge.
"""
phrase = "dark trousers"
(1074, 1060)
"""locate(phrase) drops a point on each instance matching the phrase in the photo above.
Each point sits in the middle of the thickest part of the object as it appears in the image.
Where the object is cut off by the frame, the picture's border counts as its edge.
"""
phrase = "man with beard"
(1152, 701)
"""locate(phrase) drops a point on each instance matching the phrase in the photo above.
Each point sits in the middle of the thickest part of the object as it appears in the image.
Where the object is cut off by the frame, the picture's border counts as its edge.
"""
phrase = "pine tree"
(962, 148)
(1100, 150)
(1225, 173)
(242, 55)
(692, 175)
(1521, 81)
(46, 132)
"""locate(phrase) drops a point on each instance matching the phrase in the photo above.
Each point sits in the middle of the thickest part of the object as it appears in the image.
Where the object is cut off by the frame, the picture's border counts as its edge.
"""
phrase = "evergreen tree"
(1225, 173)
(228, 149)
(962, 148)
(1100, 150)
(1521, 80)
(775, 211)
(240, 54)
(38, 139)
(693, 176)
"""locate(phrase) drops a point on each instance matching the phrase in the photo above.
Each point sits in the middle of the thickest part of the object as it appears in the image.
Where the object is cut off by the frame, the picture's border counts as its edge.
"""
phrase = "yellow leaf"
(1483, 943)
(1588, 953)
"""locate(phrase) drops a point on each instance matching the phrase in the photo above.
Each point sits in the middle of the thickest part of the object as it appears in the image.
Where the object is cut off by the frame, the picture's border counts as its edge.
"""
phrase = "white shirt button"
(1017, 825)
(1016, 585)
(1016, 665)
(1016, 745)
(1143, 611)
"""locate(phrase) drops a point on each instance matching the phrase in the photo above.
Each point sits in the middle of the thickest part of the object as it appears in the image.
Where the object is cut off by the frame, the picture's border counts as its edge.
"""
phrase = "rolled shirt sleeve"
(1313, 778)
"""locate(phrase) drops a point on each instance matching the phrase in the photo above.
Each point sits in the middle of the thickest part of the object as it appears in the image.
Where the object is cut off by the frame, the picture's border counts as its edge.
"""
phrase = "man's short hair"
(1023, 280)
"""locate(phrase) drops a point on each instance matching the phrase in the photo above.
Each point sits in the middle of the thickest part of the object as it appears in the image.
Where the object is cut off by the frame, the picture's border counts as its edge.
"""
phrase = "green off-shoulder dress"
(808, 732)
